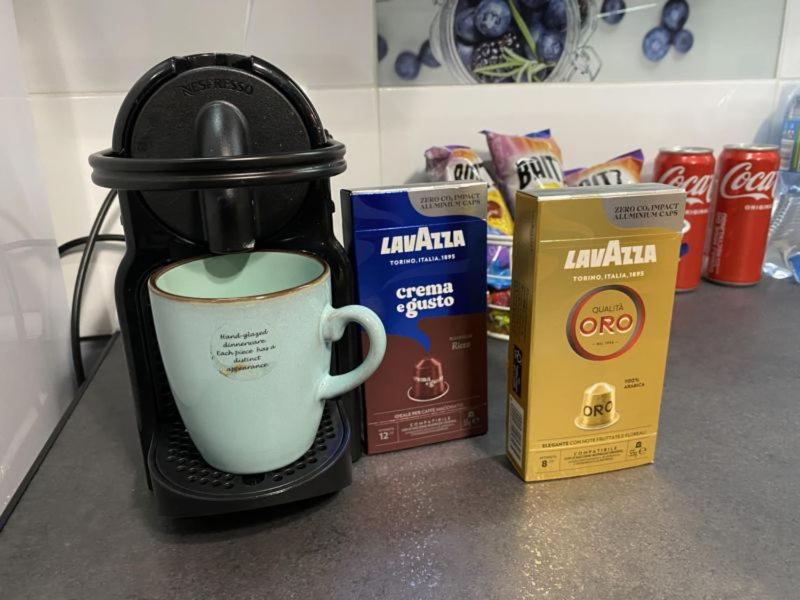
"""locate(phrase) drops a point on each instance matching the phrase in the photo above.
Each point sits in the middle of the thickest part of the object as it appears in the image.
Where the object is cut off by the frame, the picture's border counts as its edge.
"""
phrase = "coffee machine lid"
(280, 135)
(194, 125)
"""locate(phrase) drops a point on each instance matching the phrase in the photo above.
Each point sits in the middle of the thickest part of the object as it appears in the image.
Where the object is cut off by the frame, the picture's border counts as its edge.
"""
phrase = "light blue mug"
(246, 344)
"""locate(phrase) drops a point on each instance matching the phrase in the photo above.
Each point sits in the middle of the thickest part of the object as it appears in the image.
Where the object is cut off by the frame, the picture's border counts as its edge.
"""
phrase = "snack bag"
(620, 170)
(498, 266)
(498, 279)
(500, 298)
(461, 163)
(525, 162)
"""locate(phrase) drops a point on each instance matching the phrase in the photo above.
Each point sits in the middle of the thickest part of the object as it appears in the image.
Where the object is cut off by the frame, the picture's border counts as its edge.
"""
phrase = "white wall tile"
(351, 115)
(319, 43)
(12, 84)
(34, 359)
(789, 62)
(92, 45)
(68, 129)
(591, 122)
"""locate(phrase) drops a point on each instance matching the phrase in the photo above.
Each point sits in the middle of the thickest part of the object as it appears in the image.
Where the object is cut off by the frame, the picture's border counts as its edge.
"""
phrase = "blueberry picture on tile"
(674, 15)
(612, 11)
(426, 56)
(683, 40)
(491, 53)
(497, 41)
(407, 65)
(670, 32)
(492, 18)
(555, 16)
(552, 45)
(383, 48)
(524, 41)
(655, 44)
(513, 41)
(465, 26)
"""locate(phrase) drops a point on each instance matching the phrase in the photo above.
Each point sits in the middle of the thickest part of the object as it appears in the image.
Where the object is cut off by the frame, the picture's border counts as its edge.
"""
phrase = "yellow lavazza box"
(591, 304)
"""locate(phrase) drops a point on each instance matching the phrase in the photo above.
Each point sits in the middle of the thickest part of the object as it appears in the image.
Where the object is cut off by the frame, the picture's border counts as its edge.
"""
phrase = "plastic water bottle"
(783, 249)
(790, 141)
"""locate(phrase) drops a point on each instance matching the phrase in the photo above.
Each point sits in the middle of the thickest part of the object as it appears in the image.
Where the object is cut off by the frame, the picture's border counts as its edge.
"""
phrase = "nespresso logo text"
(200, 85)
(613, 254)
(423, 239)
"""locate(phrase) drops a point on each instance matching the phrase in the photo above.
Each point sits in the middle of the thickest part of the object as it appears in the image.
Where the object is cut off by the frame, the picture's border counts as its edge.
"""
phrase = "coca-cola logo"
(696, 186)
(742, 181)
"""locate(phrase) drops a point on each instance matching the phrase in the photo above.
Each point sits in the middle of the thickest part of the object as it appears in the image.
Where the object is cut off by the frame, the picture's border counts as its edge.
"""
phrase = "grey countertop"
(715, 517)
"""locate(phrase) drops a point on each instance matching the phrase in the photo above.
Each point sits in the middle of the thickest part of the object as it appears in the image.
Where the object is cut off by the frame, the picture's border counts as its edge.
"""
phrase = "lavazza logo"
(423, 239)
(742, 182)
(613, 254)
(697, 186)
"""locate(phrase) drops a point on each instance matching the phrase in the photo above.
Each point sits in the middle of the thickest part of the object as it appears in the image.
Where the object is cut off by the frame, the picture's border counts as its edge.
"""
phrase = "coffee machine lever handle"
(228, 214)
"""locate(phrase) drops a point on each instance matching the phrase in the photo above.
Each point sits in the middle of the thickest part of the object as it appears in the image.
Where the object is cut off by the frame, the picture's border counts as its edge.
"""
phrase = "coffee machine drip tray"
(185, 485)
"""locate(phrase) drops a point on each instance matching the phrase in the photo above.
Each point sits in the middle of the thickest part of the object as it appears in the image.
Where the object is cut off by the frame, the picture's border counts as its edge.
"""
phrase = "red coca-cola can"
(742, 210)
(692, 169)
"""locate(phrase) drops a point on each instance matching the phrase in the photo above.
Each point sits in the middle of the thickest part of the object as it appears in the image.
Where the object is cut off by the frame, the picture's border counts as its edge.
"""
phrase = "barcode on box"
(516, 421)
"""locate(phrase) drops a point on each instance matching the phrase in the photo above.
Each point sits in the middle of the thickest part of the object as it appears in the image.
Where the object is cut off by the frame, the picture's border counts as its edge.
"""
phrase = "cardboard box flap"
(613, 212)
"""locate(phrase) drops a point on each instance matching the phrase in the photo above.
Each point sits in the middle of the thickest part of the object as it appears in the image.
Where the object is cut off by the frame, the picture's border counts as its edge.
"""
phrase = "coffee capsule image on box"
(428, 381)
(599, 407)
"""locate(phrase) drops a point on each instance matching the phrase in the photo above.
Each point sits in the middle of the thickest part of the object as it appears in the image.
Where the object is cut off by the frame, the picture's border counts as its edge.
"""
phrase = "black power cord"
(66, 247)
(80, 281)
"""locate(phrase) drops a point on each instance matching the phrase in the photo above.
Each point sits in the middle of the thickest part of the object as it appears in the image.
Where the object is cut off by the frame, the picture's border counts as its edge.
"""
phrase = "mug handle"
(334, 322)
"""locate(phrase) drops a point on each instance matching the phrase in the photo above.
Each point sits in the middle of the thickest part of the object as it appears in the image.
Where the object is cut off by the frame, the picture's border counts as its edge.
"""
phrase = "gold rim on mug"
(153, 285)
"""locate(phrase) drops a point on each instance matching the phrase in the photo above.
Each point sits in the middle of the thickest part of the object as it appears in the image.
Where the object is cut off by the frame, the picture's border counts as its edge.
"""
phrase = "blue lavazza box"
(420, 258)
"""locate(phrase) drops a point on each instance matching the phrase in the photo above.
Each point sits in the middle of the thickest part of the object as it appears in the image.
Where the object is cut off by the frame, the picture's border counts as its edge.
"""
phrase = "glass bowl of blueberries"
(515, 41)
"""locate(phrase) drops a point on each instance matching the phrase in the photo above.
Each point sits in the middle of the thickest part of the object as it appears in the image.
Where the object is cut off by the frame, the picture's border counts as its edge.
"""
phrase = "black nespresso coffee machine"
(216, 153)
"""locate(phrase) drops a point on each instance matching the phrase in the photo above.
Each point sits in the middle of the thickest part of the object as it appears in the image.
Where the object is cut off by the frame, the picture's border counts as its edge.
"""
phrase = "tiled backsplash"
(74, 46)
(789, 59)
(732, 39)
(81, 56)
(319, 43)
(34, 359)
